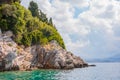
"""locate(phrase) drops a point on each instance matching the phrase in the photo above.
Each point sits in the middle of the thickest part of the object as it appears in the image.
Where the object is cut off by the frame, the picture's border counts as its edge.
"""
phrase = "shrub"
(28, 30)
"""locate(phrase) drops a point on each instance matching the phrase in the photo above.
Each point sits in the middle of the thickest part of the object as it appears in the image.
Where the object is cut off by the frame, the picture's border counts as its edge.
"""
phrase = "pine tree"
(50, 22)
(43, 17)
(33, 7)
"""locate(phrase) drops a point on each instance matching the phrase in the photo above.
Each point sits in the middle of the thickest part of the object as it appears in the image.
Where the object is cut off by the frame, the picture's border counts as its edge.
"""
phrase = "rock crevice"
(50, 56)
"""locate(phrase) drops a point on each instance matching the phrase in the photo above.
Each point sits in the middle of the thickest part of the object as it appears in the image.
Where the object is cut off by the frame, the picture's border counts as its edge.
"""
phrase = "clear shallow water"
(103, 71)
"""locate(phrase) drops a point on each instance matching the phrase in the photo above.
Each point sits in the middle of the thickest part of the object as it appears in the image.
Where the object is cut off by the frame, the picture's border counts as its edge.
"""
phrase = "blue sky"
(90, 28)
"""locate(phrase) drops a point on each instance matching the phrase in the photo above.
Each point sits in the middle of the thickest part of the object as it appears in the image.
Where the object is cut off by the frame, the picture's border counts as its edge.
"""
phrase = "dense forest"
(30, 26)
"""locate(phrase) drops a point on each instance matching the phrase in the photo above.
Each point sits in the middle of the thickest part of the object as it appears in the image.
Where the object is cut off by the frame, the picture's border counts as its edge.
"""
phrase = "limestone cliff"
(50, 56)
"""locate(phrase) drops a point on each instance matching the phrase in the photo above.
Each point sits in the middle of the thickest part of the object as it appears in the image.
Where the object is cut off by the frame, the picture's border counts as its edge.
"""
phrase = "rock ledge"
(50, 56)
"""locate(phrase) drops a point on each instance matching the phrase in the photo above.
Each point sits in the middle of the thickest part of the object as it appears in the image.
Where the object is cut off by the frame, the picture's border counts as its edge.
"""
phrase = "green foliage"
(29, 28)
(17, 1)
(3, 24)
(47, 31)
(36, 36)
(27, 39)
(51, 34)
(9, 1)
(18, 37)
(50, 22)
(43, 17)
(43, 41)
(33, 24)
(27, 15)
(13, 16)
(33, 7)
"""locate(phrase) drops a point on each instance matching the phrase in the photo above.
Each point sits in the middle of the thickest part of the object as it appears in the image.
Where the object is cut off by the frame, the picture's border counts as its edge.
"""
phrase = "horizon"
(89, 28)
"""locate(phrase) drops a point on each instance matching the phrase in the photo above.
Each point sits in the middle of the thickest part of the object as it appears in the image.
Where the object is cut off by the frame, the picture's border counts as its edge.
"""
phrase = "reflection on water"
(103, 71)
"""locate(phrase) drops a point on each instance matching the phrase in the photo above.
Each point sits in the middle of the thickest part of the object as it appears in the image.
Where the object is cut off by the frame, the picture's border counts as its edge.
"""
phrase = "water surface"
(102, 71)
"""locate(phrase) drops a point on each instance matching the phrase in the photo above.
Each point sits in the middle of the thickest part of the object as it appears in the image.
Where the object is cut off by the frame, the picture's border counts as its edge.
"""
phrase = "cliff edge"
(50, 56)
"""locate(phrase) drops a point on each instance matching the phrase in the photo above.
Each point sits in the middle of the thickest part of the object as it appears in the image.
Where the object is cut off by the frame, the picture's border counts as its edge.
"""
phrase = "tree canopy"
(36, 12)
(8, 1)
(33, 7)
(30, 27)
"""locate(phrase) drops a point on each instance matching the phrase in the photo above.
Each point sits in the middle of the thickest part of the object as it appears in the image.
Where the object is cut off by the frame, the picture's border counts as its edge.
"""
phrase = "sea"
(102, 71)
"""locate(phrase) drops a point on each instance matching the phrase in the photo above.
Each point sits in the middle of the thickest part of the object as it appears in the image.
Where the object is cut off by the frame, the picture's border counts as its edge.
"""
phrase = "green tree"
(28, 30)
(33, 7)
(43, 17)
(50, 22)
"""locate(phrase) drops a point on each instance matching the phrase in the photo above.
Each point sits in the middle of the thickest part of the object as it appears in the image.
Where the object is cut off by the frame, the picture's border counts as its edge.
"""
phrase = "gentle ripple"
(102, 71)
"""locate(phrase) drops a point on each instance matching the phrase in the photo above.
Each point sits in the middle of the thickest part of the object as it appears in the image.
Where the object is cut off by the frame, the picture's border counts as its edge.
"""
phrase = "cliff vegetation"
(29, 26)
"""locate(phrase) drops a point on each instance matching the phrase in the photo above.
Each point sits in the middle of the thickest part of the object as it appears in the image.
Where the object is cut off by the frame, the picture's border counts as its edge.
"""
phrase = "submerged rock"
(51, 56)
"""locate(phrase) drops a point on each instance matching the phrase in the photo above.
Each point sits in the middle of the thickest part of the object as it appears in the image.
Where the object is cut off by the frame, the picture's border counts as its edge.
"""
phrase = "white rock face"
(12, 57)
(51, 56)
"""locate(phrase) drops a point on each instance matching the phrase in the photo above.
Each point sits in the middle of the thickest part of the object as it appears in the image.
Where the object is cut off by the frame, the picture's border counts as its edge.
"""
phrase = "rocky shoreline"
(50, 56)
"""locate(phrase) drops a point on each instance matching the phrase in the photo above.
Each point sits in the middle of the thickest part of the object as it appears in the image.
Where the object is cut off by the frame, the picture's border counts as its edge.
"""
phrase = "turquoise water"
(103, 71)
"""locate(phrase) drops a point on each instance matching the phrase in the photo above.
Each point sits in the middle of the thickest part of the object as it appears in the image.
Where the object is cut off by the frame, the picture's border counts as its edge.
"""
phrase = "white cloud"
(77, 3)
(94, 33)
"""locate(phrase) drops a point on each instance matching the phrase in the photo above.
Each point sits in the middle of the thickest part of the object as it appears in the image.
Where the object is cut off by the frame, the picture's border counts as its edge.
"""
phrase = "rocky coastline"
(51, 56)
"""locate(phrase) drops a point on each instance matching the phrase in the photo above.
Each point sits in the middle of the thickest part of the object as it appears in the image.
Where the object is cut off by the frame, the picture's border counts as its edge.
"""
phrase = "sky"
(90, 28)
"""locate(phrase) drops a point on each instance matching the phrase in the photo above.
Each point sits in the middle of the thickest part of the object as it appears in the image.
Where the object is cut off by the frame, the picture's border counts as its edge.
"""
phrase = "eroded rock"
(51, 56)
